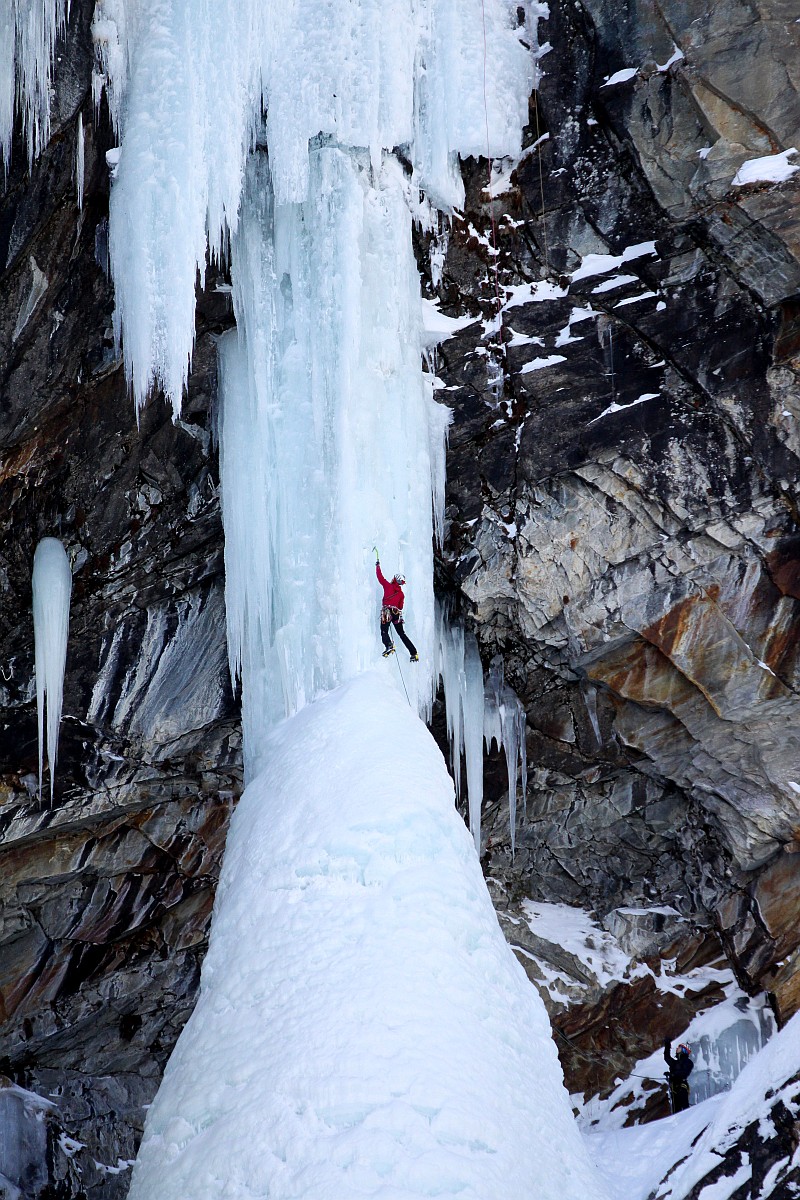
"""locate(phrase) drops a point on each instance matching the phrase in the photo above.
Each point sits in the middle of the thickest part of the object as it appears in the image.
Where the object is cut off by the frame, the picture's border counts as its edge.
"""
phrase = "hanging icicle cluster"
(479, 712)
(28, 32)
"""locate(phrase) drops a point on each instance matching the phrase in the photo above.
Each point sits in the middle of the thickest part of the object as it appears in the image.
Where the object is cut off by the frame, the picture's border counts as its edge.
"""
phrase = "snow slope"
(363, 1028)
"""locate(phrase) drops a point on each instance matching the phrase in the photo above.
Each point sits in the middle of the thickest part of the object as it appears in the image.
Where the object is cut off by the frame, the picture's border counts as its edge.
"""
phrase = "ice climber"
(680, 1068)
(392, 612)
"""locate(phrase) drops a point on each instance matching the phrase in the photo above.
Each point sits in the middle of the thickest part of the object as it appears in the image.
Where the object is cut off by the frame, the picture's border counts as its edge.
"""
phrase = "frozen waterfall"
(362, 1026)
(330, 439)
(187, 80)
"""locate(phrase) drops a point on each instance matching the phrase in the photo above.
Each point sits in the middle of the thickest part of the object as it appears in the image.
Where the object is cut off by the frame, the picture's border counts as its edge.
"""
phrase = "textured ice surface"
(362, 1028)
(330, 440)
(52, 588)
(187, 80)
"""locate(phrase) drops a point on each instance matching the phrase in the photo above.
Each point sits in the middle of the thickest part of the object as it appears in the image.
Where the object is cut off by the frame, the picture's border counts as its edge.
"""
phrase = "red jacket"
(392, 592)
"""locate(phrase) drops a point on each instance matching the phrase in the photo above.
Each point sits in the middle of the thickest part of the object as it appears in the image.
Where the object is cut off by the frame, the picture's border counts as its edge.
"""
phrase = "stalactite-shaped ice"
(28, 32)
(52, 588)
(458, 665)
(79, 160)
(504, 723)
(479, 712)
(187, 80)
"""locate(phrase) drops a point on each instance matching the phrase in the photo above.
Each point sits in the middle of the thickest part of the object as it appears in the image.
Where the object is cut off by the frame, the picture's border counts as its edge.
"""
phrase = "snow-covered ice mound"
(363, 1029)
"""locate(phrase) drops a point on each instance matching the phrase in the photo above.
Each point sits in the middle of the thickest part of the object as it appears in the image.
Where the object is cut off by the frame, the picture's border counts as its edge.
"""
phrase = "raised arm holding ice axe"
(392, 610)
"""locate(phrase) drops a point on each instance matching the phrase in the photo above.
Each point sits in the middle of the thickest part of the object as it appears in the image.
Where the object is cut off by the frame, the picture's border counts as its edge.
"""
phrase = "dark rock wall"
(622, 528)
(622, 510)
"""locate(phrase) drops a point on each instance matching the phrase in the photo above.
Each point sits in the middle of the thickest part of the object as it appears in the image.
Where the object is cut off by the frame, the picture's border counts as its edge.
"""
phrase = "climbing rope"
(593, 1057)
(405, 689)
(611, 361)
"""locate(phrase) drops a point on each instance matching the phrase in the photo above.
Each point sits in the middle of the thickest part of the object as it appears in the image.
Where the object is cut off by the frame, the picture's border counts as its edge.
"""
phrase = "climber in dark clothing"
(680, 1068)
(392, 612)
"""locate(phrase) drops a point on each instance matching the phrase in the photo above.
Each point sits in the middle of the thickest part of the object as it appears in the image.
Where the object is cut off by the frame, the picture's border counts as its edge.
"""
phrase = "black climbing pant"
(679, 1089)
(392, 616)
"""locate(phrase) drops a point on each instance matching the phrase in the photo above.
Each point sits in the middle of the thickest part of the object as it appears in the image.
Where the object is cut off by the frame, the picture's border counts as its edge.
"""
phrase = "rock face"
(622, 529)
(624, 458)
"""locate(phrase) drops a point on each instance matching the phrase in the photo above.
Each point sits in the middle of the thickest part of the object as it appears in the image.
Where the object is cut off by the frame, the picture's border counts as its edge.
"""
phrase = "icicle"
(28, 33)
(504, 723)
(478, 713)
(52, 587)
(473, 734)
(458, 665)
(79, 161)
(590, 700)
(366, 76)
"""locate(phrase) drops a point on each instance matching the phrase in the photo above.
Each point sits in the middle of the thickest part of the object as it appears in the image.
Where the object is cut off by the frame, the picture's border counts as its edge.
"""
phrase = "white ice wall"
(328, 433)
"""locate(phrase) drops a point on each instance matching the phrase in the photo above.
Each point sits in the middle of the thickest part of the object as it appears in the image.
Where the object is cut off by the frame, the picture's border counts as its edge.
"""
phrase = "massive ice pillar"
(329, 436)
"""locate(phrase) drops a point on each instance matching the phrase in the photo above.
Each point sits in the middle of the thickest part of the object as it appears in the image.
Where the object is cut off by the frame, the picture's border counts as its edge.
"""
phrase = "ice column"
(328, 436)
(52, 587)
(79, 160)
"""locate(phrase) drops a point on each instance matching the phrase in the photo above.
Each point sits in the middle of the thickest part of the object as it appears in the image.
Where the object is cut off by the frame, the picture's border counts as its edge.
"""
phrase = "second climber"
(680, 1068)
